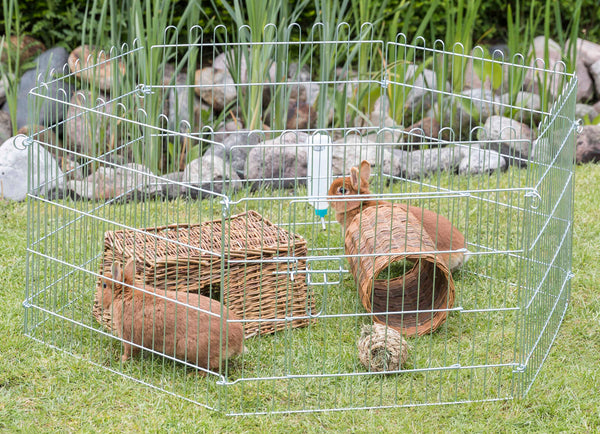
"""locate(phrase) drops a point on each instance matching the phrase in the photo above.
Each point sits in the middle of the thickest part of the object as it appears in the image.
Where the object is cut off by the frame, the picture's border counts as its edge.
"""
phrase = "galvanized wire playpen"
(208, 163)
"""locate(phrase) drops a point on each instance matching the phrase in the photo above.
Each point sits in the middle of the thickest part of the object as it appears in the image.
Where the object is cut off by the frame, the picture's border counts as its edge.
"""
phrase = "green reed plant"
(148, 24)
(553, 22)
(520, 36)
(460, 27)
(330, 16)
(399, 62)
(259, 24)
(12, 69)
(370, 56)
(461, 16)
(566, 37)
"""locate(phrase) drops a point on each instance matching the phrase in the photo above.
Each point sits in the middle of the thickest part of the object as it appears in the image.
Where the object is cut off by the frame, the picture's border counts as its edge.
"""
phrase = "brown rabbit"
(168, 327)
(444, 235)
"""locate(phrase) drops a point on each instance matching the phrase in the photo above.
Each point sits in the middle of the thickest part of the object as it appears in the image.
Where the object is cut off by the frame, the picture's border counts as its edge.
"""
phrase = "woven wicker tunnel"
(382, 235)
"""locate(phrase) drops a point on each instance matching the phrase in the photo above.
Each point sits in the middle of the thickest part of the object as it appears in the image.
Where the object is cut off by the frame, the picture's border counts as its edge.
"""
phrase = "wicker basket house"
(246, 257)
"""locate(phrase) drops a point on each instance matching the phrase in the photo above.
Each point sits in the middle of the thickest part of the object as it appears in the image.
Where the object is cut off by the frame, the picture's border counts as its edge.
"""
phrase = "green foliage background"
(59, 22)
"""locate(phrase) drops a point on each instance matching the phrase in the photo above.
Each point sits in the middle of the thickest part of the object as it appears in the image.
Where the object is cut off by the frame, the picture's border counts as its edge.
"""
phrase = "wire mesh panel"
(233, 223)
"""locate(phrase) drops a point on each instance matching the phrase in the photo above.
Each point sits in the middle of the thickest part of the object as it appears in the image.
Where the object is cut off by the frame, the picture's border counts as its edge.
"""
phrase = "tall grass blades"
(12, 70)
(260, 24)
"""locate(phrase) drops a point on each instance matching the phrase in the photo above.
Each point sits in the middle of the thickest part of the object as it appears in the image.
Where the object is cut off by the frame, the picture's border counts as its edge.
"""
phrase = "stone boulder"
(130, 181)
(584, 110)
(350, 150)
(28, 48)
(85, 131)
(476, 161)
(210, 173)
(280, 162)
(588, 145)
(223, 60)
(3, 88)
(425, 162)
(588, 52)
(216, 87)
(178, 98)
(14, 168)
(525, 106)
(508, 137)
(235, 150)
(51, 108)
(6, 130)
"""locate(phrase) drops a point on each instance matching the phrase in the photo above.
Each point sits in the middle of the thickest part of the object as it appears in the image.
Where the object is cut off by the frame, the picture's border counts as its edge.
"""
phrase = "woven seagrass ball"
(381, 348)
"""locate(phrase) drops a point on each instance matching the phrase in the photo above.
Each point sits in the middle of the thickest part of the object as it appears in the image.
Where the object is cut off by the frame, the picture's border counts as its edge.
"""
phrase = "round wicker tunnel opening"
(415, 302)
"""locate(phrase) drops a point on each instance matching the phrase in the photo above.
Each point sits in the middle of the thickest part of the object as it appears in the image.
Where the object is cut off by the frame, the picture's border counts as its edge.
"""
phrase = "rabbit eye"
(104, 285)
(342, 190)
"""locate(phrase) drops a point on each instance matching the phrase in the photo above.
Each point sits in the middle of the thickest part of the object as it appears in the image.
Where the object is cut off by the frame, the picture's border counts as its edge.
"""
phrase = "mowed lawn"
(45, 390)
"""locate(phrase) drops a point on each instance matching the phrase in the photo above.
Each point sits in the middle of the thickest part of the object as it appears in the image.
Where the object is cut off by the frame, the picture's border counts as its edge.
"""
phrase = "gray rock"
(350, 150)
(388, 130)
(84, 131)
(425, 162)
(583, 110)
(223, 60)
(297, 73)
(179, 104)
(3, 88)
(507, 136)
(419, 99)
(476, 161)
(471, 78)
(480, 104)
(588, 145)
(6, 130)
(381, 110)
(302, 88)
(525, 106)
(585, 85)
(388, 134)
(120, 182)
(421, 95)
(531, 79)
(235, 150)
(46, 175)
(49, 65)
(216, 87)
(467, 111)
(394, 160)
(280, 162)
(595, 73)
(171, 187)
(588, 52)
(210, 173)
(226, 130)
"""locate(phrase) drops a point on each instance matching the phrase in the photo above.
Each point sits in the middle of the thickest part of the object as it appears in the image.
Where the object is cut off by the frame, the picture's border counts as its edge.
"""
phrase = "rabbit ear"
(116, 272)
(129, 272)
(354, 179)
(365, 171)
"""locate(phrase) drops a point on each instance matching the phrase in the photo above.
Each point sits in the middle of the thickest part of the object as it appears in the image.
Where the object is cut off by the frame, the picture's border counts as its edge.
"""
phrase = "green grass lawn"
(48, 390)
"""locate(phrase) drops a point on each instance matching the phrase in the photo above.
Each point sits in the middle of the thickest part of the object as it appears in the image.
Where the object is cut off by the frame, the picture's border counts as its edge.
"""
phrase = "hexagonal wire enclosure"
(207, 164)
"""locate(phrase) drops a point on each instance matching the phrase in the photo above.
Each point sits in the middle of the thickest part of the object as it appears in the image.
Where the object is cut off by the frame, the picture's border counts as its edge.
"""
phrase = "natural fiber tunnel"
(384, 235)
